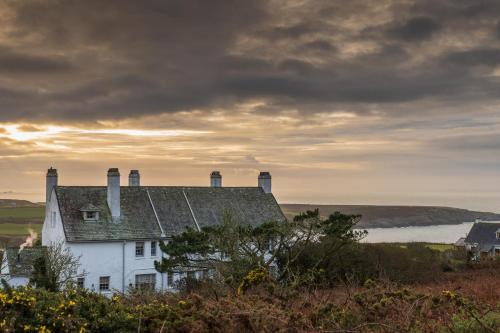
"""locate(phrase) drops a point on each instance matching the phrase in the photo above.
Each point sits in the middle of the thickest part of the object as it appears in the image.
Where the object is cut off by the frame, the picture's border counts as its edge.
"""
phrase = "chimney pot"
(113, 192)
(215, 179)
(134, 178)
(264, 181)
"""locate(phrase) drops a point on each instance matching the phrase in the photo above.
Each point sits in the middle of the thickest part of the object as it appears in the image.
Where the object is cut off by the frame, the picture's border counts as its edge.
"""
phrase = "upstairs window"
(153, 249)
(104, 283)
(139, 249)
(80, 282)
(53, 220)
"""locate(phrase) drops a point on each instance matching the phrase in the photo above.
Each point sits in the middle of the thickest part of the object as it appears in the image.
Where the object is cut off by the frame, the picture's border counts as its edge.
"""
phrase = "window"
(153, 249)
(139, 249)
(91, 216)
(170, 279)
(498, 234)
(191, 275)
(145, 281)
(80, 282)
(53, 220)
(104, 283)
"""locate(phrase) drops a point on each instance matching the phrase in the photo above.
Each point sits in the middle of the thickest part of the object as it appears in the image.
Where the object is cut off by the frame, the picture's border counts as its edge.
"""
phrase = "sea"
(432, 234)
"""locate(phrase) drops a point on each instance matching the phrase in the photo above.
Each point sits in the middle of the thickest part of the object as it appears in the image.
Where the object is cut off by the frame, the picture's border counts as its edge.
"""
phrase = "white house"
(16, 265)
(115, 230)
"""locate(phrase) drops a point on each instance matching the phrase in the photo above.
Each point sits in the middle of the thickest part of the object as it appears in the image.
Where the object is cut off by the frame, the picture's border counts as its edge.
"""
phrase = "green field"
(13, 229)
(15, 223)
(17, 214)
(433, 246)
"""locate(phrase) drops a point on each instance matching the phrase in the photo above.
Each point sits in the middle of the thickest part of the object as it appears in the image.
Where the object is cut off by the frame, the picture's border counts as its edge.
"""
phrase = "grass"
(22, 213)
(14, 229)
(16, 221)
(440, 247)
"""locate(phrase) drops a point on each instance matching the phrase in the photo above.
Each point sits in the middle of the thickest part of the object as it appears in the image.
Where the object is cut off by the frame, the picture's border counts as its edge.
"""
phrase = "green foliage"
(233, 250)
(357, 262)
(42, 276)
(230, 250)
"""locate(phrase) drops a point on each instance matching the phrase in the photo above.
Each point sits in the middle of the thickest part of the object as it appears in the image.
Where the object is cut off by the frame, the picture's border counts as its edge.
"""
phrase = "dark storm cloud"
(127, 58)
(415, 29)
(485, 57)
(12, 62)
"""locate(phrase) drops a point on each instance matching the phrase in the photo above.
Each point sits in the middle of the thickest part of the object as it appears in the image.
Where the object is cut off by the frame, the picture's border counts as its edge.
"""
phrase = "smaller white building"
(17, 265)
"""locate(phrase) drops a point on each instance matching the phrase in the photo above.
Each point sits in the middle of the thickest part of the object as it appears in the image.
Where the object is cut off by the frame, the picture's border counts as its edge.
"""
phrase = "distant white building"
(16, 266)
(116, 230)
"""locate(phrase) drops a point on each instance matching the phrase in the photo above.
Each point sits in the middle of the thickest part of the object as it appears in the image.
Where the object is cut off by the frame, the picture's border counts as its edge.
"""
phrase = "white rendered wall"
(52, 234)
(17, 281)
(106, 259)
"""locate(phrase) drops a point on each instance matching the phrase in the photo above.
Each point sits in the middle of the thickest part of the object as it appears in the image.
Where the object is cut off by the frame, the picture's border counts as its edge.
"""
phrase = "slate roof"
(21, 263)
(484, 234)
(177, 209)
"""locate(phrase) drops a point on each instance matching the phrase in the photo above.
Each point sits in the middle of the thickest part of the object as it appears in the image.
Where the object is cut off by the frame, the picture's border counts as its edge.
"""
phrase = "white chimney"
(51, 182)
(215, 179)
(265, 181)
(114, 192)
(134, 178)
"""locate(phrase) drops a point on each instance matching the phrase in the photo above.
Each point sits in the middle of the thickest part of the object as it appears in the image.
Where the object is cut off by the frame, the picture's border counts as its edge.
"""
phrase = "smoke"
(30, 240)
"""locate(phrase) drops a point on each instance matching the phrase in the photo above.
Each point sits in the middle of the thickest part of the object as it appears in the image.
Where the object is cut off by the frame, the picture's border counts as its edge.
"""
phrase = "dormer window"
(90, 216)
(90, 213)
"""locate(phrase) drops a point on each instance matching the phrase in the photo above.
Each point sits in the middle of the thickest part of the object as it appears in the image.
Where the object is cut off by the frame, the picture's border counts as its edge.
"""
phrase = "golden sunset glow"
(343, 102)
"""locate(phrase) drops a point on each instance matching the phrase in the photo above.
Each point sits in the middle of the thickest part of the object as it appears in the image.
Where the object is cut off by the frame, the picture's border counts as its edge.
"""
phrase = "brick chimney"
(114, 192)
(134, 178)
(264, 181)
(215, 179)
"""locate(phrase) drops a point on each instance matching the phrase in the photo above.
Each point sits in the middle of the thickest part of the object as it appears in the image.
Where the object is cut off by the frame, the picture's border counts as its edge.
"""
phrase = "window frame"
(104, 283)
(153, 249)
(139, 250)
(146, 285)
(80, 282)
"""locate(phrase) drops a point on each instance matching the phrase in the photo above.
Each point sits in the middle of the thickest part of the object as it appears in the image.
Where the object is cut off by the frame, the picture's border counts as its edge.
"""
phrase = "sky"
(344, 102)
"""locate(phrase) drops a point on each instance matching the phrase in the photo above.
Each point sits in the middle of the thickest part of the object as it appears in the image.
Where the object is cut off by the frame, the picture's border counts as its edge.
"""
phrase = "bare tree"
(56, 269)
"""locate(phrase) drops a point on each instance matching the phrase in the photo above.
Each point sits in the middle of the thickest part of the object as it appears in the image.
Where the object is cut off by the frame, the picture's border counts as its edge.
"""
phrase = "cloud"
(476, 57)
(415, 29)
(18, 63)
(159, 57)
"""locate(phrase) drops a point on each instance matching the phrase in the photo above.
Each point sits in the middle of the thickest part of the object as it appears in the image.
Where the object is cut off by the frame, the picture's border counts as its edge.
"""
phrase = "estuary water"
(432, 234)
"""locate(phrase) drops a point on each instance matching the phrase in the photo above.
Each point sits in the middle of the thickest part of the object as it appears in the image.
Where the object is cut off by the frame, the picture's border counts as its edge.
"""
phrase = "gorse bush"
(374, 307)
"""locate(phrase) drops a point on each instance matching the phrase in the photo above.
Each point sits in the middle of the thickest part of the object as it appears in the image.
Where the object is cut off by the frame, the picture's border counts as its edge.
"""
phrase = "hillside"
(16, 218)
(396, 216)
(11, 203)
